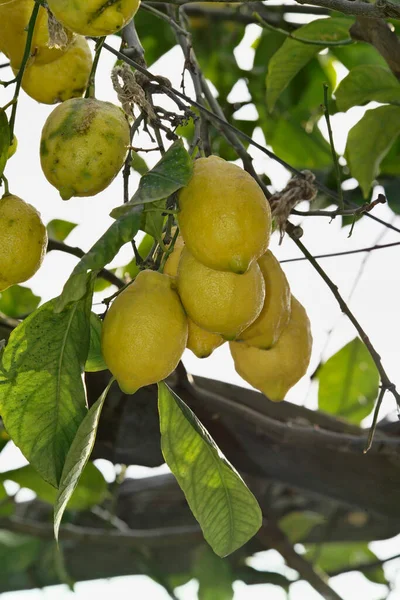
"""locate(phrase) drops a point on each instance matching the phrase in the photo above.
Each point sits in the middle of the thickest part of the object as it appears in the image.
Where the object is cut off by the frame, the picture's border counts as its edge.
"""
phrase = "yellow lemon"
(94, 17)
(83, 146)
(145, 331)
(275, 371)
(13, 147)
(23, 241)
(224, 216)
(62, 79)
(220, 301)
(14, 19)
(201, 342)
(275, 315)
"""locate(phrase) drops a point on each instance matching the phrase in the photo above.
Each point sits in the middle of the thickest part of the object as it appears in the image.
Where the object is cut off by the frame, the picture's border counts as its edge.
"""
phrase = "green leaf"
(95, 361)
(255, 577)
(153, 219)
(156, 36)
(138, 164)
(172, 172)
(18, 301)
(223, 505)
(293, 55)
(366, 83)
(214, 575)
(17, 552)
(77, 458)
(349, 383)
(4, 140)
(369, 141)
(42, 397)
(59, 230)
(297, 525)
(359, 53)
(101, 253)
(334, 556)
(91, 490)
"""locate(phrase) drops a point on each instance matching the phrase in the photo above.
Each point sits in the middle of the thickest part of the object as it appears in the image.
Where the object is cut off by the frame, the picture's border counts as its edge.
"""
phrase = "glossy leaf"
(139, 164)
(359, 53)
(366, 83)
(369, 141)
(91, 490)
(297, 525)
(333, 556)
(95, 361)
(293, 55)
(214, 575)
(348, 383)
(77, 458)
(42, 397)
(4, 140)
(172, 172)
(225, 508)
(18, 301)
(101, 253)
(59, 230)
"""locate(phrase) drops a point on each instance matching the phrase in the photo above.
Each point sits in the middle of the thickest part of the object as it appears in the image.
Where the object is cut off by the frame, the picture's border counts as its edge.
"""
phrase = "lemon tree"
(199, 187)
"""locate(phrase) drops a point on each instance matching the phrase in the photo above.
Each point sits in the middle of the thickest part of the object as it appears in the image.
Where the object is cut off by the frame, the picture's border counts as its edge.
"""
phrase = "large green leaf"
(95, 361)
(17, 553)
(369, 141)
(101, 253)
(172, 172)
(4, 140)
(59, 230)
(334, 556)
(359, 53)
(18, 301)
(91, 490)
(293, 55)
(349, 382)
(42, 397)
(297, 525)
(77, 458)
(225, 508)
(366, 83)
(214, 575)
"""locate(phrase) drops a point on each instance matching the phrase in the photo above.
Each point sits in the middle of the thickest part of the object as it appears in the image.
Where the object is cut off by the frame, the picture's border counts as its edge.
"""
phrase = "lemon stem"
(90, 90)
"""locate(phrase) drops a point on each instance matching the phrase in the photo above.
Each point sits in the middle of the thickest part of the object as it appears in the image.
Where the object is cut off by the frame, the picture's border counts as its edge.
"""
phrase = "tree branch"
(378, 33)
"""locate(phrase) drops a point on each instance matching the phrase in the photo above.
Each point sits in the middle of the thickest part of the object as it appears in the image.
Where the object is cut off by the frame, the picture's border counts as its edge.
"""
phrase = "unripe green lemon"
(145, 331)
(275, 371)
(275, 315)
(83, 146)
(23, 241)
(12, 147)
(62, 79)
(220, 301)
(224, 216)
(94, 17)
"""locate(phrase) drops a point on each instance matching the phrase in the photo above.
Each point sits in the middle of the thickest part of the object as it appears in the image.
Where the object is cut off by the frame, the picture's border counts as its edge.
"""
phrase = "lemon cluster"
(220, 283)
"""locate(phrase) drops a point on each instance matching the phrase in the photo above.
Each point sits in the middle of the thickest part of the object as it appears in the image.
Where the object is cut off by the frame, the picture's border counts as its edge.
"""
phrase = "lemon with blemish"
(94, 17)
(23, 241)
(83, 146)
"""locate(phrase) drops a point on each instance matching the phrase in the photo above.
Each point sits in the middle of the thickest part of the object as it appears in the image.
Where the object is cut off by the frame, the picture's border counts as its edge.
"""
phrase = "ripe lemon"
(23, 241)
(220, 301)
(145, 331)
(275, 371)
(83, 146)
(94, 17)
(275, 315)
(14, 19)
(201, 342)
(62, 79)
(224, 216)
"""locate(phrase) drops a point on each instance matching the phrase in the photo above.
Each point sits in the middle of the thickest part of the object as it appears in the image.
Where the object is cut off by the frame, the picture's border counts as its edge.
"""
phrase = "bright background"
(368, 281)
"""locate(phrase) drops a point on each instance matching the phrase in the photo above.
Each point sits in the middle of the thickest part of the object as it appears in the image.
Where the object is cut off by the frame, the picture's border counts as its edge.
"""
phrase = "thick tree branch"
(378, 33)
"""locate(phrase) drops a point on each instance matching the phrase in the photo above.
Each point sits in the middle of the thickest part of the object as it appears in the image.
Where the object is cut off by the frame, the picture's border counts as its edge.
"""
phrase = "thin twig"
(364, 566)
(332, 145)
(342, 212)
(90, 90)
(344, 253)
(375, 419)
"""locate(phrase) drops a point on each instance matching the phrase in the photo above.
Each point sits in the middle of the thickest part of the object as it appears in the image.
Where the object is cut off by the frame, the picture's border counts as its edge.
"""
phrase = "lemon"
(275, 315)
(201, 342)
(83, 146)
(12, 147)
(275, 371)
(94, 17)
(220, 301)
(62, 79)
(145, 331)
(224, 216)
(14, 19)
(23, 241)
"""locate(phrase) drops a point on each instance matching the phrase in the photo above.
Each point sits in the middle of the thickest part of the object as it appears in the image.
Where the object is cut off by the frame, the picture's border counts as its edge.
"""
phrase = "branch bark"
(378, 33)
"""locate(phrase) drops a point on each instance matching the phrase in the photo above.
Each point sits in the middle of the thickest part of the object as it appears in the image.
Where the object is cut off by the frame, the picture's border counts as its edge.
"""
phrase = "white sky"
(374, 301)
